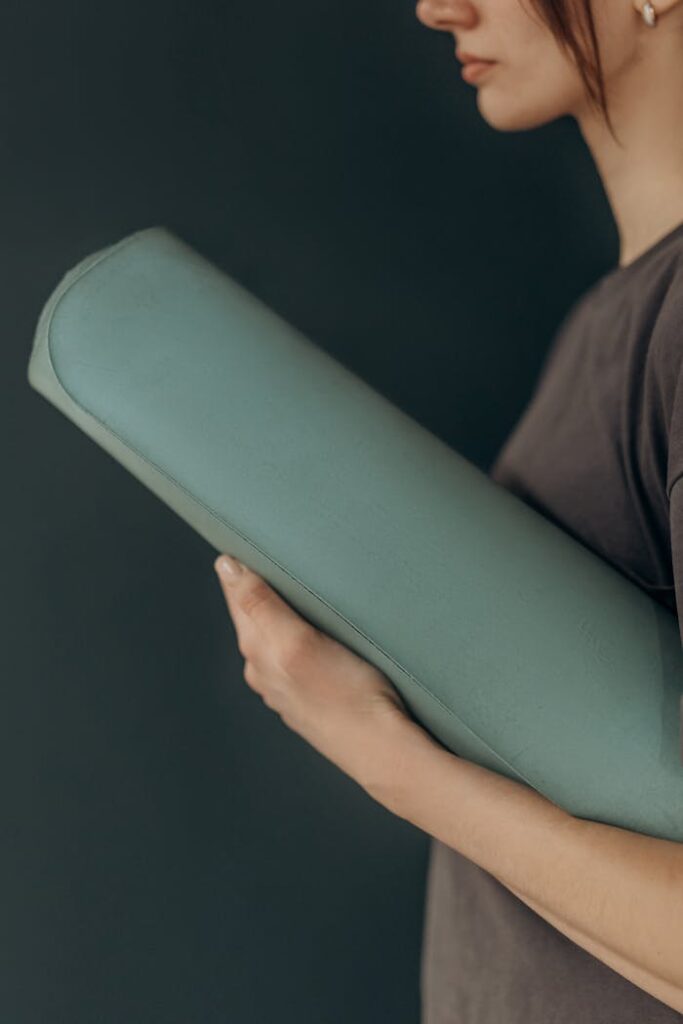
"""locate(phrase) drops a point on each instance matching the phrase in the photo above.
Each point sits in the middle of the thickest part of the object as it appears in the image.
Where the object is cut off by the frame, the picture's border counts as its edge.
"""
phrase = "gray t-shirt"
(599, 450)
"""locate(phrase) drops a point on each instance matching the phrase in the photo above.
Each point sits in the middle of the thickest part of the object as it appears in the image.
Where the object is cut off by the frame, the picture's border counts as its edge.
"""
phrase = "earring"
(649, 15)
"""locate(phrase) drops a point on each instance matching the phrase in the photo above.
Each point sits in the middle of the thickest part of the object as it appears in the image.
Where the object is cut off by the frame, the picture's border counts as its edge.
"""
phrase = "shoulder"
(667, 307)
(666, 362)
(666, 316)
(571, 329)
(635, 319)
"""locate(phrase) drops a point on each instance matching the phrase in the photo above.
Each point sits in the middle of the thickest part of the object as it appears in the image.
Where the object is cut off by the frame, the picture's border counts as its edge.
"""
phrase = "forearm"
(645, 979)
(617, 893)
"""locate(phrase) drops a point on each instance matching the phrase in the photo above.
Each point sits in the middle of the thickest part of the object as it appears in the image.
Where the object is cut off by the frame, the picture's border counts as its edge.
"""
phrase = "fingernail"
(228, 567)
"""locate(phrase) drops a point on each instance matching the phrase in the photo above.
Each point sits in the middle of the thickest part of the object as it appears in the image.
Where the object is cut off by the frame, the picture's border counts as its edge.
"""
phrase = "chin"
(505, 114)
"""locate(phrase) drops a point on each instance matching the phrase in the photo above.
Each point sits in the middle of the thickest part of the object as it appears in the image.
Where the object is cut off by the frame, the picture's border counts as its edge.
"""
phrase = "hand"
(341, 704)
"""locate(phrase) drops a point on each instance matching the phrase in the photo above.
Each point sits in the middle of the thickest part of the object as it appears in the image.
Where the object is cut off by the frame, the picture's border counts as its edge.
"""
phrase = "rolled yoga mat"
(511, 642)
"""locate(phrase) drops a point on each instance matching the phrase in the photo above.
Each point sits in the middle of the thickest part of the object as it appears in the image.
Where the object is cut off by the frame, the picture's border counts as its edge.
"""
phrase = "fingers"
(247, 592)
(259, 611)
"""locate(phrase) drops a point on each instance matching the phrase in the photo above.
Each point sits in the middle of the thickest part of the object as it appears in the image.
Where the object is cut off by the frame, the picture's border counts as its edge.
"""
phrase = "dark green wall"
(170, 851)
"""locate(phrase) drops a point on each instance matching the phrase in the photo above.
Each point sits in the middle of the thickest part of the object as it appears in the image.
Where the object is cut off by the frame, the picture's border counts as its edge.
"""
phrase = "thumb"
(229, 571)
(250, 597)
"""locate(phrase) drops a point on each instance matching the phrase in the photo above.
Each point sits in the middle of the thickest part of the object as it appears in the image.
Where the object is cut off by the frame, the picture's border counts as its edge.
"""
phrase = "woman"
(534, 916)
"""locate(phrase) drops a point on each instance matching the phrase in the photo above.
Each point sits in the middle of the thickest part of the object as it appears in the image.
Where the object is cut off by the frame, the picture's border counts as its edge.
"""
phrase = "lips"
(469, 58)
(474, 70)
(473, 66)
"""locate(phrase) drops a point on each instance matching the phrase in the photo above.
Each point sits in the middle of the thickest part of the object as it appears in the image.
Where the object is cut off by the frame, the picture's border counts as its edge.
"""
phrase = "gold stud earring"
(649, 15)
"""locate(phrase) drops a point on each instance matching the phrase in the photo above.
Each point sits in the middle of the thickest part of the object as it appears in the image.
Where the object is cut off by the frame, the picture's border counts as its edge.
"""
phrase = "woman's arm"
(663, 990)
(616, 893)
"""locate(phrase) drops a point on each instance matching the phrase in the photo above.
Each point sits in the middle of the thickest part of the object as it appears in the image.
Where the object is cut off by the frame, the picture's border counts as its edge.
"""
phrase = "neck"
(642, 173)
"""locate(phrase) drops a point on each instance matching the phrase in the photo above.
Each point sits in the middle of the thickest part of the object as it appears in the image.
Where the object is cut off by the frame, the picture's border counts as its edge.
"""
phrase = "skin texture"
(616, 893)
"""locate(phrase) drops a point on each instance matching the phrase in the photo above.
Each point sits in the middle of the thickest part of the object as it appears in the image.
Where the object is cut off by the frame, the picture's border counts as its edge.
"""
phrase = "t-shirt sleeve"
(676, 528)
(676, 525)
(668, 344)
(672, 374)
(668, 336)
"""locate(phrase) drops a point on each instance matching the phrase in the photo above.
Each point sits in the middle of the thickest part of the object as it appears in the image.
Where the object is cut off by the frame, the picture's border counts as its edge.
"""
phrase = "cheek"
(536, 80)
(535, 84)
(616, 26)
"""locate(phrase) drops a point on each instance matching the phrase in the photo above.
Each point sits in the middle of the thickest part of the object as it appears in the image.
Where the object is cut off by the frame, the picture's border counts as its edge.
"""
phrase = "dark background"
(171, 852)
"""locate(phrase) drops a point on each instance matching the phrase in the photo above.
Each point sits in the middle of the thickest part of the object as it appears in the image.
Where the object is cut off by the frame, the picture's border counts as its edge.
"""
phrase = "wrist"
(399, 746)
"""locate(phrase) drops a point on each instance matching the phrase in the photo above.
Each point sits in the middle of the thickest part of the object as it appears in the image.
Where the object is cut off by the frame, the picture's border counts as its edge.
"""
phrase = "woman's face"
(533, 80)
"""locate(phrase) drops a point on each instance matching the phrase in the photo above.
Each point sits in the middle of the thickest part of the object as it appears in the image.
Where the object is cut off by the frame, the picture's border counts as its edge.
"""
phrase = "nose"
(446, 14)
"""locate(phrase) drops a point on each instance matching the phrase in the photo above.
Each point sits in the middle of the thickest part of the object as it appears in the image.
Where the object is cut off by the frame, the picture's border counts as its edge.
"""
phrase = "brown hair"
(572, 24)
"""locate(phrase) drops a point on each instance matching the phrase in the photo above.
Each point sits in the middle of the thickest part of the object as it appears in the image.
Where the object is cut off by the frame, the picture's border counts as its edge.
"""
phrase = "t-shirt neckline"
(620, 272)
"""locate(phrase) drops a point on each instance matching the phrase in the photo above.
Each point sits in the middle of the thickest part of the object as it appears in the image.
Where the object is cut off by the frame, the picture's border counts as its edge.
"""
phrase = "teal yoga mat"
(512, 643)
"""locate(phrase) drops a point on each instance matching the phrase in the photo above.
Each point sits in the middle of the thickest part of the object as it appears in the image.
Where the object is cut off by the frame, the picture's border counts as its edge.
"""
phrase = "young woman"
(534, 916)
